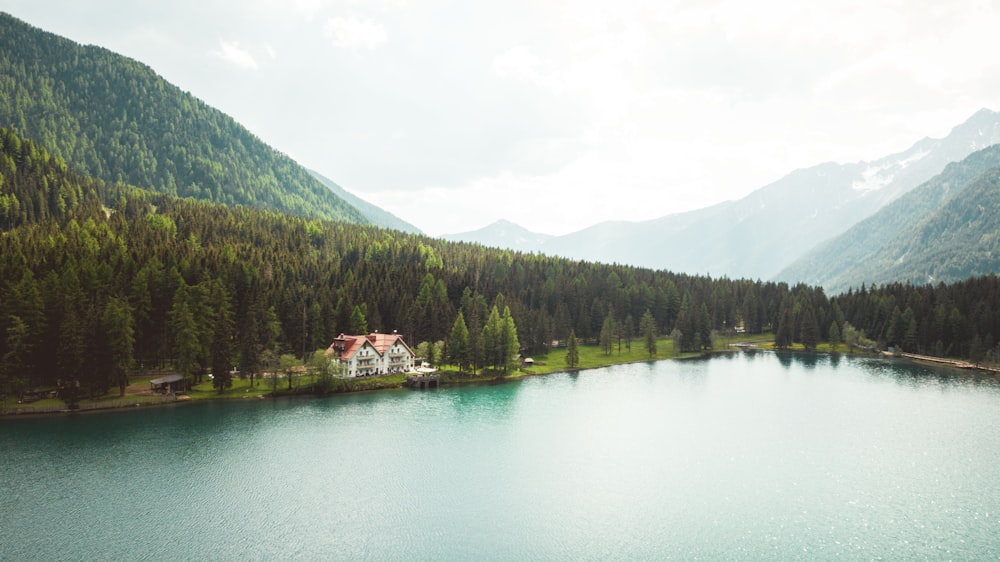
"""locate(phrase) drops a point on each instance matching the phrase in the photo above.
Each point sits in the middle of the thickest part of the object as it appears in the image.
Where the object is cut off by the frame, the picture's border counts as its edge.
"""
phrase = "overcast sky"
(560, 114)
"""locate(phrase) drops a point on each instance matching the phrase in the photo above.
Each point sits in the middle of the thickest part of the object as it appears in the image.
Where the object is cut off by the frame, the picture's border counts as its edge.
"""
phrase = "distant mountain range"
(504, 234)
(762, 234)
(946, 230)
(113, 118)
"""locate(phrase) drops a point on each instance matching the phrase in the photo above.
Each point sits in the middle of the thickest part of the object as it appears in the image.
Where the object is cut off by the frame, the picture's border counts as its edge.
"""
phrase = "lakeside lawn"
(591, 357)
(820, 348)
(136, 394)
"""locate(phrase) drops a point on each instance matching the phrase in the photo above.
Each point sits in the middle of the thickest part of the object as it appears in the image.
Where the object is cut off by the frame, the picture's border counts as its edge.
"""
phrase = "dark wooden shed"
(169, 383)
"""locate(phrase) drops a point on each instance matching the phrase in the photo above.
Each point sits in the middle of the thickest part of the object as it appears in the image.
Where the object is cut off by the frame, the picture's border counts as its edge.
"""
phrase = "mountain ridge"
(762, 233)
(890, 245)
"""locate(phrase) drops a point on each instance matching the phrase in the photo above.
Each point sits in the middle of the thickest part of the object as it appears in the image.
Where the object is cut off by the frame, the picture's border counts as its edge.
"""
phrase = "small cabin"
(169, 383)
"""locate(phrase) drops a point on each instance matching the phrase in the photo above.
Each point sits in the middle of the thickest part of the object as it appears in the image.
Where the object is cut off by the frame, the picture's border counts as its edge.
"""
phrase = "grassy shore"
(554, 361)
(139, 394)
(591, 357)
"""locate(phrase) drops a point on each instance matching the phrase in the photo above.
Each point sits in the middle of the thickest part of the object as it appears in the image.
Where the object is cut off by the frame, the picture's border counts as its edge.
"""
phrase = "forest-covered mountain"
(98, 278)
(945, 230)
(763, 233)
(374, 215)
(113, 118)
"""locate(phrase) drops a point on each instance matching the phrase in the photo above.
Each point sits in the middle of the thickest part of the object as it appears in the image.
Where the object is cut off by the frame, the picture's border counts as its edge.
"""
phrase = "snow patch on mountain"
(879, 175)
(873, 178)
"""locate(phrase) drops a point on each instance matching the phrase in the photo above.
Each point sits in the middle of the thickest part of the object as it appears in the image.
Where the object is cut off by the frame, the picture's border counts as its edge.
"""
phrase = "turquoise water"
(751, 457)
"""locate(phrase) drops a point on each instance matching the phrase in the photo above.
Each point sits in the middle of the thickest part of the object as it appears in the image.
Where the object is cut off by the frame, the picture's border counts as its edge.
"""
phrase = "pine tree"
(25, 302)
(185, 332)
(491, 339)
(911, 339)
(627, 331)
(199, 302)
(17, 350)
(541, 335)
(572, 351)
(687, 324)
(895, 328)
(440, 310)
(783, 335)
(359, 320)
(834, 335)
(475, 339)
(459, 352)
(704, 328)
(259, 333)
(72, 345)
(751, 312)
(510, 346)
(221, 350)
(318, 334)
(607, 334)
(977, 350)
(119, 334)
(810, 329)
(648, 328)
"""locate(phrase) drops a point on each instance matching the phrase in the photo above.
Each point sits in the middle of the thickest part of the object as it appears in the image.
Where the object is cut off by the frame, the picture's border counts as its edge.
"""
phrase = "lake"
(750, 456)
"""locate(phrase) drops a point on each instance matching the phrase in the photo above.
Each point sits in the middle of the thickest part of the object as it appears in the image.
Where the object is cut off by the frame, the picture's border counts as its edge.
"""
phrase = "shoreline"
(259, 392)
(448, 379)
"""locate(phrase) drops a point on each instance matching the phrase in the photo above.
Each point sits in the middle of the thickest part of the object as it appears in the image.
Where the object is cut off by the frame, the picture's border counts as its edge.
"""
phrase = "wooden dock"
(422, 382)
(956, 363)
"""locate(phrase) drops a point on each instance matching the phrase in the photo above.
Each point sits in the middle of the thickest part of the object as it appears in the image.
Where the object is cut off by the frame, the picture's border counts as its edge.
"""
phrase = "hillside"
(372, 214)
(896, 244)
(959, 241)
(761, 234)
(113, 118)
(97, 278)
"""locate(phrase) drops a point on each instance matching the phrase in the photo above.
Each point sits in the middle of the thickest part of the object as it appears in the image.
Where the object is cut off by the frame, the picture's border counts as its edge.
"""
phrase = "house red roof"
(344, 346)
(383, 342)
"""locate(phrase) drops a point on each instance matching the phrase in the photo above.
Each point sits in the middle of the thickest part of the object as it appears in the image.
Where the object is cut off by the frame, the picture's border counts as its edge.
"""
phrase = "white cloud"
(627, 179)
(230, 51)
(517, 62)
(353, 33)
(305, 8)
(676, 104)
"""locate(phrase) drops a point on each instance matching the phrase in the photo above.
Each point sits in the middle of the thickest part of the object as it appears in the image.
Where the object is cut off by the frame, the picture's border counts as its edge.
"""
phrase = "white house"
(371, 355)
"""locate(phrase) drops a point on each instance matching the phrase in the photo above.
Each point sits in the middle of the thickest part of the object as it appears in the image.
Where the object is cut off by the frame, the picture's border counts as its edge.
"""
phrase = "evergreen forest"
(98, 279)
(113, 118)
